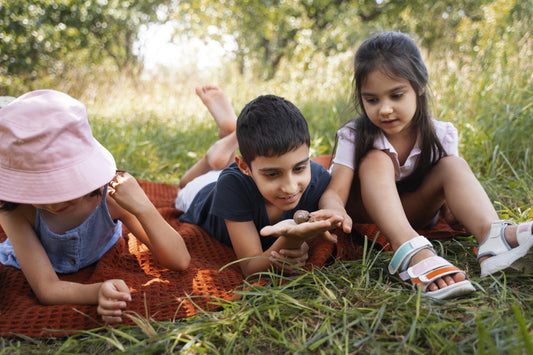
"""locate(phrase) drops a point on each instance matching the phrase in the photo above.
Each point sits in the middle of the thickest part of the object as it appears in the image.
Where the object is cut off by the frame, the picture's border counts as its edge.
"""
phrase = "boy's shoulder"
(233, 179)
(317, 167)
(320, 176)
(231, 170)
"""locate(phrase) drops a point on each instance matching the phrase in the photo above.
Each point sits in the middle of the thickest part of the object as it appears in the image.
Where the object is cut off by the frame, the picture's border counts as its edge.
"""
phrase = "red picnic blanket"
(157, 293)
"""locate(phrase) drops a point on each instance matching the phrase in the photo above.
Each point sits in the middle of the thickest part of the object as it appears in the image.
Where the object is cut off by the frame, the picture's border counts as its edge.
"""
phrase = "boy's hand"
(289, 260)
(324, 221)
(128, 193)
(112, 298)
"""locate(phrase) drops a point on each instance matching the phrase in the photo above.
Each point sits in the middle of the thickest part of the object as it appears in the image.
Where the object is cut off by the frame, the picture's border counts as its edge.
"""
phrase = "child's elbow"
(178, 264)
(185, 262)
(45, 298)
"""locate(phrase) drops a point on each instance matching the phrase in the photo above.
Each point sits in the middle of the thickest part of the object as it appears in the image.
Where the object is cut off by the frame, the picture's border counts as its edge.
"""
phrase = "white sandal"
(502, 256)
(428, 270)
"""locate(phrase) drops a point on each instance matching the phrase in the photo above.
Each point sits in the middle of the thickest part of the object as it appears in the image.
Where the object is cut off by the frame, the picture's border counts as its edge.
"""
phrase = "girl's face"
(390, 103)
(61, 207)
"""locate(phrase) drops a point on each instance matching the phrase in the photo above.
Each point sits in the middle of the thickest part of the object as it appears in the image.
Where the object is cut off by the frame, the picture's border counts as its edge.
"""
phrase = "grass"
(159, 129)
(349, 306)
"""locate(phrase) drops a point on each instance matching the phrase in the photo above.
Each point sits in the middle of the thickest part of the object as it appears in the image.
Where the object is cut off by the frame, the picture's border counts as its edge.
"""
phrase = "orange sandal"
(428, 270)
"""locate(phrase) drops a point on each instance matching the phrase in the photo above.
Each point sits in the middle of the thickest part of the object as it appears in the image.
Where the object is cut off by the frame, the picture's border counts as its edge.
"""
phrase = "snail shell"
(302, 216)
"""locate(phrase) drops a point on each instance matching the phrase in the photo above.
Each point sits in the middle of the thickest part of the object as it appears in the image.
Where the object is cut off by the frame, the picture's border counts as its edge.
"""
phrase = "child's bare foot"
(222, 152)
(220, 108)
(444, 281)
(437, 277)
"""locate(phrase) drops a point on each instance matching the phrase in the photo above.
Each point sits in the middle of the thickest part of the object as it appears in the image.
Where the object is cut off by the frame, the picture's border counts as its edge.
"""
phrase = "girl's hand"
(128, 193)
(334, 215)
(112, 298)
(289, 260)
(128, 203)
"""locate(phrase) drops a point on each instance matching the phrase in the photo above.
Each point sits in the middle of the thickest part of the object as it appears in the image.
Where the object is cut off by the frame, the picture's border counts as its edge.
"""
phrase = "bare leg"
(220, 155)
(222, 152)
(385, 207)
(467, 200)
(464, 195)
(220, 108)
(450, 181)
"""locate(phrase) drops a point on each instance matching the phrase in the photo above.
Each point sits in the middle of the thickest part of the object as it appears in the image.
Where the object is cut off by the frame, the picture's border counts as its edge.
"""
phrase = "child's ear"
(243, 167)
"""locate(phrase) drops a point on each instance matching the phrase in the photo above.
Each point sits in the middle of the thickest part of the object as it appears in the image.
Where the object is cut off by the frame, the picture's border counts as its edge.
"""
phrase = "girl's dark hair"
(396, 55)
(10, 206)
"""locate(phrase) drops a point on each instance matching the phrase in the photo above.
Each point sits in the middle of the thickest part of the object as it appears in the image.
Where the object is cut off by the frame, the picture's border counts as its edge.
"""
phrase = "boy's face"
(281, 180)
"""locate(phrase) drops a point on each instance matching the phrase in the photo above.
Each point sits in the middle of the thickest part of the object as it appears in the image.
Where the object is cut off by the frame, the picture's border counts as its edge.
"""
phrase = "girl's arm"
(337, 192)
(43, 280)
(130, 204)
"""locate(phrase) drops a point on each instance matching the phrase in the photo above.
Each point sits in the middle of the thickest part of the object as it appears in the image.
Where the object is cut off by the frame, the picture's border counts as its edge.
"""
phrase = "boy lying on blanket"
(271, 179)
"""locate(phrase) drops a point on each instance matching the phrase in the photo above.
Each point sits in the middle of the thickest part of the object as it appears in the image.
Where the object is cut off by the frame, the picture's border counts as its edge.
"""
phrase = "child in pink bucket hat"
(62, 203)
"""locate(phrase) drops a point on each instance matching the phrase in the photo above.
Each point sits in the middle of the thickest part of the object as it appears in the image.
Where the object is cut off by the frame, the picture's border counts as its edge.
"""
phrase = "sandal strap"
(523, 232)
(429, 270)
(495, 242)
(405, 252)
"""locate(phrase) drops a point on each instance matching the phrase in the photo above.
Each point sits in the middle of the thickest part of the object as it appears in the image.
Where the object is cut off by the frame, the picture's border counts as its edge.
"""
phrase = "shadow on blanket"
(157, 293)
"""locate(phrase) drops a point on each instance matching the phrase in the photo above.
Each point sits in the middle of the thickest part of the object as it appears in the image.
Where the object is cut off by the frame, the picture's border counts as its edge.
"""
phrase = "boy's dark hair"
(270, 126)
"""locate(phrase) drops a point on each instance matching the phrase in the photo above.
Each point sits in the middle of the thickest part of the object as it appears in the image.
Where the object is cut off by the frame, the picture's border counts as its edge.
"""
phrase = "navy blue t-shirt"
(235, 197)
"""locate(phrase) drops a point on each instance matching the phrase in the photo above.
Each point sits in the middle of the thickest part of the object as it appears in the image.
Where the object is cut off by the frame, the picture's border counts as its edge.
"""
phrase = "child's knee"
(453, 162)
(375, 158)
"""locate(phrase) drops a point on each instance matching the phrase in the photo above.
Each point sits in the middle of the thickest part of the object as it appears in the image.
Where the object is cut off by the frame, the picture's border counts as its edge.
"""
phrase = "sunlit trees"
(268, 31)
(43, 36)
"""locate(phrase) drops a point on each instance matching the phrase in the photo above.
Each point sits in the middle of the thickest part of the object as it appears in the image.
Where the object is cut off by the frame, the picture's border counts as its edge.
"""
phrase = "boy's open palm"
(288, 228)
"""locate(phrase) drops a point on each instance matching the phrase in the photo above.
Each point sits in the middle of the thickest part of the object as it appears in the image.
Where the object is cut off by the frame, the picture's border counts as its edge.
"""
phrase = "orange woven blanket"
(157, 293)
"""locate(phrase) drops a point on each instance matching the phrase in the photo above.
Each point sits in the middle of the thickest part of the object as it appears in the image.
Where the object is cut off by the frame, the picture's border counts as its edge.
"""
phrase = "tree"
(266, 32)
(38, 36)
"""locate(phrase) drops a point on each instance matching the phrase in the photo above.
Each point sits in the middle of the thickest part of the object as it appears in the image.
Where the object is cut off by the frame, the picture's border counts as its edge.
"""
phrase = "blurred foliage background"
(44, 41)
(479, 55)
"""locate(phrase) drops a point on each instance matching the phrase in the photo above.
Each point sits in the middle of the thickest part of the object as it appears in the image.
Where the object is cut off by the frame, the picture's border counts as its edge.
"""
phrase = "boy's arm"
(247, 245)
(130, 204)
(42, 278)
(336, 194)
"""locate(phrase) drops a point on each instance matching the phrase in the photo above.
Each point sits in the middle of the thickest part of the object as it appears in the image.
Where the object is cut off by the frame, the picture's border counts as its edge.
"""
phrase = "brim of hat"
(59, 185)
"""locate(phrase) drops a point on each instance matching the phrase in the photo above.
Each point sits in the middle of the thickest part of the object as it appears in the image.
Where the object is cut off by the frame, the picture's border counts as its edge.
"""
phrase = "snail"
(302, 216)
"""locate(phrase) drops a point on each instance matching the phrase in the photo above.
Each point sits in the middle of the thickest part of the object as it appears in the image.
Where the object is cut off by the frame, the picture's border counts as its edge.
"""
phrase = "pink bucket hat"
(47, 151)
